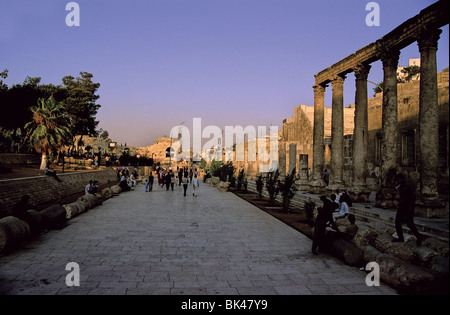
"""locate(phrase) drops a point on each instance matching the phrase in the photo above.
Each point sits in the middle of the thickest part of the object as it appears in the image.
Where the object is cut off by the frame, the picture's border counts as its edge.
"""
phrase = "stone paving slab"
(161, 243)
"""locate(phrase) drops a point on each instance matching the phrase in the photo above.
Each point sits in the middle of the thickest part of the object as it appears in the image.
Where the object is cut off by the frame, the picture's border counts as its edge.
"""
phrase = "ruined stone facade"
(423, 29)
(297, 134)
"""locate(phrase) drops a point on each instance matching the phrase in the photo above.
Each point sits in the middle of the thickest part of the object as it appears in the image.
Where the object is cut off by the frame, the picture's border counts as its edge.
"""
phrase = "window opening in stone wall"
(408, 148)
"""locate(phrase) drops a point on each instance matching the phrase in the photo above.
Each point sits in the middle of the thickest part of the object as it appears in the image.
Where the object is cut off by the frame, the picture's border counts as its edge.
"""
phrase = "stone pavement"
(161, 243)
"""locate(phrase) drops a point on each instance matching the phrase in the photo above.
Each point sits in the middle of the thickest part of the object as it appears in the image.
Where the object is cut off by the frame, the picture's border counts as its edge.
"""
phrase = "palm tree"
(49, 128)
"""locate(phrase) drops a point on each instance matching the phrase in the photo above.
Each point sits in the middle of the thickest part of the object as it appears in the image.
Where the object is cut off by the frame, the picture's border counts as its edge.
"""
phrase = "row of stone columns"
(428, 125)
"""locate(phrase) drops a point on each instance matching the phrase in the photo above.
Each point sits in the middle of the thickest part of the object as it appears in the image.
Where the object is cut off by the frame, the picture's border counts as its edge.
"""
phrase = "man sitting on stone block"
(50, 172)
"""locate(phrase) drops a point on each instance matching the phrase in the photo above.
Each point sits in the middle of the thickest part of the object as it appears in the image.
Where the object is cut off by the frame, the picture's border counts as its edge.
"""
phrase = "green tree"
(259, 185)
(410, 73)
(288, 190)
(15, 104)
(104, 134)
(240, 179)
(3, 75)
(272, 185)
(48, 130)
(80, 103)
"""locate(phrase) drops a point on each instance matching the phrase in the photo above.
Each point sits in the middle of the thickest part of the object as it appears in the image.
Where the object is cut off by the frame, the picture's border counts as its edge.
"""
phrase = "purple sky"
(229, 62)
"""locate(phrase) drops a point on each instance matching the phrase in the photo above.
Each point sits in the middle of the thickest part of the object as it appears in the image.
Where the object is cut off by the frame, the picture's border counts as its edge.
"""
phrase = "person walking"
(185, 182)
(195, 185)
(150, 181)
(405, 212)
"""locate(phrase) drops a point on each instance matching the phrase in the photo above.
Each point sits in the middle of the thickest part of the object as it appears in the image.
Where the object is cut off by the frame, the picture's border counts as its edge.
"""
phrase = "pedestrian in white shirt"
(195, 185)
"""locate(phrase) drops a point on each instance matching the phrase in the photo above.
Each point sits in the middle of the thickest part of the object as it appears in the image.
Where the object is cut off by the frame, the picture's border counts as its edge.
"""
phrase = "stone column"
(318, 142)
(292, 157)
(360, 135)
(337, 133)
(428, 118)
(387, 194)
(282, 157)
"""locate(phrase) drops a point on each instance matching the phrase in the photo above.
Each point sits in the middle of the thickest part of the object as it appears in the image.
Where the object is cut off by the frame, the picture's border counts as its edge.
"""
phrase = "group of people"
(185, 177)
(337, 207)
(91, 188)
(127, 179)
(333, 208)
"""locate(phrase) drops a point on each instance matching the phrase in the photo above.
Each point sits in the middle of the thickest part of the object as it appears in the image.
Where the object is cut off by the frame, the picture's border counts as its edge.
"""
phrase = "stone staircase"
(433, 227)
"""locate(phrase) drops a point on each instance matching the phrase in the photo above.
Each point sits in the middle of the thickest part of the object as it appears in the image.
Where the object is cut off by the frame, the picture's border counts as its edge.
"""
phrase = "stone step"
(388, 217)
(422, 229)
(432, 227)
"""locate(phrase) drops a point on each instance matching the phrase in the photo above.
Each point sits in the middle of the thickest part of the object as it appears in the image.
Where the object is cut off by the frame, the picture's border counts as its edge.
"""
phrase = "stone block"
(90, 201)
(107, 193)
(74, 209)
(223, 186)
(116, 189)
(13, 231)
(365, 235)
(345, 250)
(34, 221)
(53, 217)
(214, 181)
(401, 275)
(403, 251)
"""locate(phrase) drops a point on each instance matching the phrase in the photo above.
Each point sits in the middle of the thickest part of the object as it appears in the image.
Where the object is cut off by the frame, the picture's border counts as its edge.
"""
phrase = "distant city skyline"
(164, 62)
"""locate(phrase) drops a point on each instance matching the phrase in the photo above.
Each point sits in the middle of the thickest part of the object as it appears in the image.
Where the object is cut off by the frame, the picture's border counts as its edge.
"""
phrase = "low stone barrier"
(404, 266)
(14, 231)
(46, 190)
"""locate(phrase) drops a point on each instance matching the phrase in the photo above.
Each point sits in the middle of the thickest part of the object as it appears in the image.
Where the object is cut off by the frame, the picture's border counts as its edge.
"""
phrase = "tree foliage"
(272, 185)
(288, 190)
(80, 103)
(48, 130)
(77, 96)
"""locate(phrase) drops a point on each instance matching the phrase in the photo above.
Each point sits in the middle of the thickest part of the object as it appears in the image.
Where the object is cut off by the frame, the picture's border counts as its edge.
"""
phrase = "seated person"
(50, 172)
(350, 230)
(124, 184)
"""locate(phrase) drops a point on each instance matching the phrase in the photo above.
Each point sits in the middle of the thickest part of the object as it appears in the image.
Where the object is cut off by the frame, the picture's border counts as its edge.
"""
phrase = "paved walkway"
(163, 243)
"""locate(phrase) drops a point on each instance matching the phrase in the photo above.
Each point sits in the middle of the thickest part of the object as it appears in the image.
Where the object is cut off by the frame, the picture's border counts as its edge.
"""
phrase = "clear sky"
(228, 62)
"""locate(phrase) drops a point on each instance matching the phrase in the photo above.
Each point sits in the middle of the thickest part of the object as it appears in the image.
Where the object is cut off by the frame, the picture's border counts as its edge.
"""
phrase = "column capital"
(389, 58)
(362, 71)
(319, 90)
(338, 81)
(428, 39)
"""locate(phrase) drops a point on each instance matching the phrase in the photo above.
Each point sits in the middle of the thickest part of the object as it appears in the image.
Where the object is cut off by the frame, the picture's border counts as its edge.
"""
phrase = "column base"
(317, 186)
(387, 198)
(359, 194)
(331, 188)
(302, 185)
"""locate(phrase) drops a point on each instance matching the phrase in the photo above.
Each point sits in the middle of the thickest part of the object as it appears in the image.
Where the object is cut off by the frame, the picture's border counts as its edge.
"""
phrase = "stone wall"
(298, 130)
(45, 189)
(19, 159)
